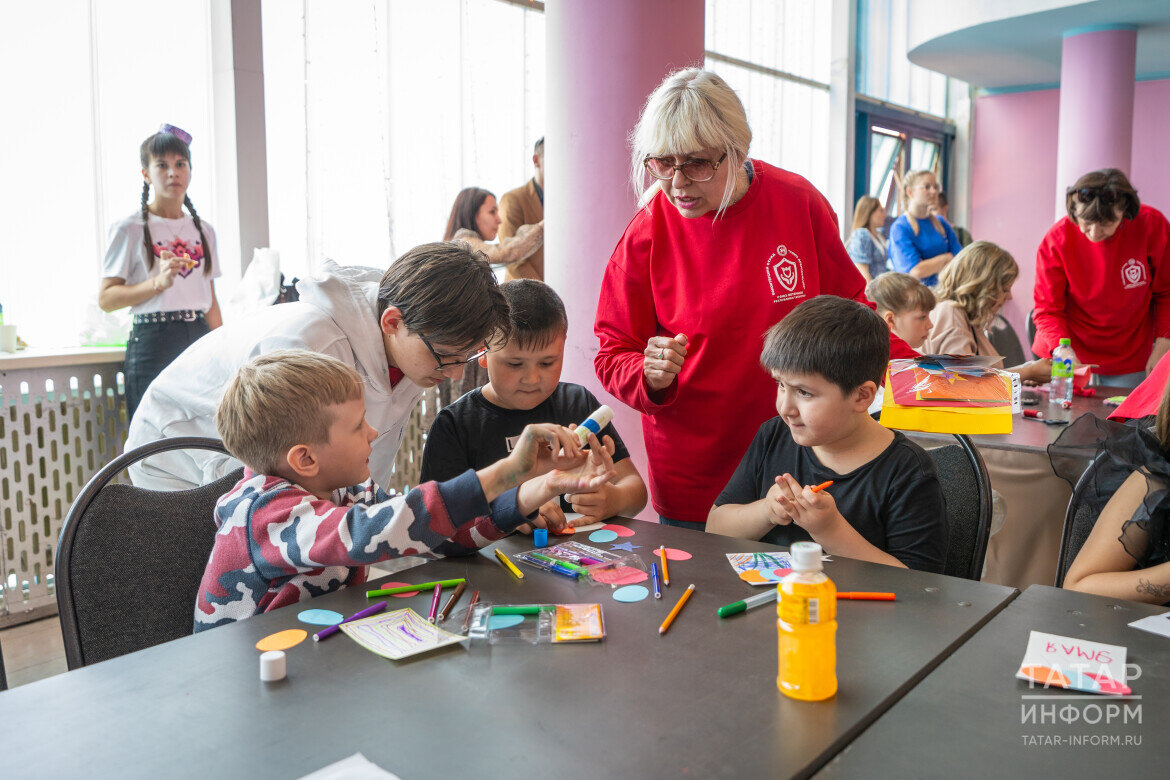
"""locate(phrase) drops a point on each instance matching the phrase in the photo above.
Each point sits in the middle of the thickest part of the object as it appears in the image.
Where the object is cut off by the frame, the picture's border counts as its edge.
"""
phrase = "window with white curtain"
(883, 71)
(85, 82)
(378, 113)
(776, 54)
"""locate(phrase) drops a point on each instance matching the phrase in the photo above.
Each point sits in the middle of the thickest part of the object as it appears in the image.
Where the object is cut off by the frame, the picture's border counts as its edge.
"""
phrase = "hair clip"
(177, 132)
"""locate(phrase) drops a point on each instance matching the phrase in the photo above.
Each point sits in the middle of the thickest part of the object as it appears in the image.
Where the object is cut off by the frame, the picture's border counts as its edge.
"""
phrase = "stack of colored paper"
(950, 394)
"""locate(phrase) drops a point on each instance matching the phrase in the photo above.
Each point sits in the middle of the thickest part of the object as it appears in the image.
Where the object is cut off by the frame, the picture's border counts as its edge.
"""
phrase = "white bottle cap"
(806, 556)
(272, 666)
(594, 423)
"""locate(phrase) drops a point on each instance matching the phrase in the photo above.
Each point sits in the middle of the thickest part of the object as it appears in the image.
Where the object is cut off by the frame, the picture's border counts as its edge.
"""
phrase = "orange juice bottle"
(807, 625)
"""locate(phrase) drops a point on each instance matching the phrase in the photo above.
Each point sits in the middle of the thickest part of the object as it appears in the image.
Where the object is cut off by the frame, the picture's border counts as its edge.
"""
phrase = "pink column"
(1097, 71)
(604, 57)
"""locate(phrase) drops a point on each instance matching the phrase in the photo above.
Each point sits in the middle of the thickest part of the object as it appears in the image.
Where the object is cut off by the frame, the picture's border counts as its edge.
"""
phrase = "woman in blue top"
(866, 246)
(921, 244)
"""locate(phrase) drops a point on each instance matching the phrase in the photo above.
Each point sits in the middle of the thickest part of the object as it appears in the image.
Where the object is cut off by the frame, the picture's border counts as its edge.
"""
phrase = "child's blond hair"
(279, 400)
(899, 293)
(976, 279)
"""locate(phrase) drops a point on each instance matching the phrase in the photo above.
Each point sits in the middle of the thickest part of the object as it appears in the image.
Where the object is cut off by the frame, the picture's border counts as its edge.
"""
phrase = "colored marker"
(523, 609)
(373, 609)
(594, 423)
(665, 568)
(557, 562)
(552, 566)
(735, 607)
(470, 608)
(858, 595)
(451, 601)
(509, 565)
(677, 608)
(822, 486)
(434, 613)
(654, 579)
(411, 588)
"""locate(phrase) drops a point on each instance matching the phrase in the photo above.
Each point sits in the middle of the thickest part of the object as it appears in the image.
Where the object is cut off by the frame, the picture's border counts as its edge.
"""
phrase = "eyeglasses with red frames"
(696, 168)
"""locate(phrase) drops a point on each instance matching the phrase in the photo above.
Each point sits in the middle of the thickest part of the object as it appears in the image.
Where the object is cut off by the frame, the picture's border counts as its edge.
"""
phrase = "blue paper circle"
(504, 621)
(602, 536)
(630, 594)
(320, 617)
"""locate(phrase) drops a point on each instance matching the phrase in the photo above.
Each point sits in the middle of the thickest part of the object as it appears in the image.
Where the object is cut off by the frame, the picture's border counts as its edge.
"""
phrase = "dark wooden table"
(700, 701)
(968, 718)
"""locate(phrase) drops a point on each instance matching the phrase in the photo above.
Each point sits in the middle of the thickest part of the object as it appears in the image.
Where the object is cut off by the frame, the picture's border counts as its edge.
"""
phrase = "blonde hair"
(911, 179)
(279, 400)
(976, 279)
(866, 206)
(691, 109)
(896, 292)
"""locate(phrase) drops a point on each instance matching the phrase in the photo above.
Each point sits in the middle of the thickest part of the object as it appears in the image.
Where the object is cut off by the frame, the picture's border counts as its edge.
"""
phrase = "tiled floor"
(32, 651)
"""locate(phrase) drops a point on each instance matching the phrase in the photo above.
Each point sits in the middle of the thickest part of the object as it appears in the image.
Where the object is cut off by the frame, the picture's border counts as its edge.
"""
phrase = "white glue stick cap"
(806, 556)
(594, 423)
(272, 666)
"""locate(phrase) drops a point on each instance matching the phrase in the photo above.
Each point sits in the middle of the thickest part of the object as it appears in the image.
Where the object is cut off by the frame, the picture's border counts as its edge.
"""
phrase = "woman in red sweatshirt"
(721, 249)
(1103, 280)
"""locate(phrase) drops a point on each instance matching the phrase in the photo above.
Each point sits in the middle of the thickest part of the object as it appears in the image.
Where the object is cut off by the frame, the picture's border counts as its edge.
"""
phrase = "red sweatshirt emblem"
(785, 275)
(1133, 274)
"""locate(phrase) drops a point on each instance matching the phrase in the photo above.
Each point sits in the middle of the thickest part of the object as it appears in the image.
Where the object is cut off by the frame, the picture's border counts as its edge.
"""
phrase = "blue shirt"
(908, 250)
(865, 250)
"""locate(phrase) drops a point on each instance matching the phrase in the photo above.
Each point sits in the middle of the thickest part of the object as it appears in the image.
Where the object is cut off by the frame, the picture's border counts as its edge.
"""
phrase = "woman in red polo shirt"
(1103, 280)
(721, 249)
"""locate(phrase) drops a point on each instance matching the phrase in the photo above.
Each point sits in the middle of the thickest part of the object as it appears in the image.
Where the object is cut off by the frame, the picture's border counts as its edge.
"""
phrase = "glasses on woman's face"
(459, 361)
(695, 168)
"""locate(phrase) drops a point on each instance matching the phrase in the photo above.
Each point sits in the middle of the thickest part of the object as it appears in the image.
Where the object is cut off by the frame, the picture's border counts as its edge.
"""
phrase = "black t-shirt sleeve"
(916, 533)
(444, 455)
(744, 485)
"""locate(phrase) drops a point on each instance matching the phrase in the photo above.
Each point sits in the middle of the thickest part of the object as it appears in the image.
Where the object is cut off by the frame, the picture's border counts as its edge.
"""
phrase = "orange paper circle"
(282, 640)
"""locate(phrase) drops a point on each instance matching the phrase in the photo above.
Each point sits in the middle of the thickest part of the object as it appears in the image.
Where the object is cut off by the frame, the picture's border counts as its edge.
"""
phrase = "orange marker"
(665, 570)
(822, 486)
(864, 596)
(677, 608)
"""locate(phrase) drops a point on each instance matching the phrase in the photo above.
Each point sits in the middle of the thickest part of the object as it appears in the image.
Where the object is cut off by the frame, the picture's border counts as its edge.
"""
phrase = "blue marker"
(654, 578)
(594, 423)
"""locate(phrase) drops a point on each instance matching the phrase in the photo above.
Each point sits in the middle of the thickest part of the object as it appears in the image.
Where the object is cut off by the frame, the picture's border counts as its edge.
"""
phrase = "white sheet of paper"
(356, 767)
(1155, 624)
(571, 516)
(1080, 660)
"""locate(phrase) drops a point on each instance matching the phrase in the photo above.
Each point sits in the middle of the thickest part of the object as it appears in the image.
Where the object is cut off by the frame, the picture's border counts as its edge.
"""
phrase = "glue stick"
(594, 423)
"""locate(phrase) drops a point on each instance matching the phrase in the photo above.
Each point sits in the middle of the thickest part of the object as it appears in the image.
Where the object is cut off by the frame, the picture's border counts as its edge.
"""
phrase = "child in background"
(971, 291)
(306, 519)
(161, 263)
(1127, 554)
(905, 304)
(885, 504)
(524, 388)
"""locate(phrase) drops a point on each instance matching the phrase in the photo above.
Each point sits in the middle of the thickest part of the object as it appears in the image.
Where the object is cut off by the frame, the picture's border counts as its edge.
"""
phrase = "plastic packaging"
(536, 624)
(1060, 388)
(807, 627)
(587, 564)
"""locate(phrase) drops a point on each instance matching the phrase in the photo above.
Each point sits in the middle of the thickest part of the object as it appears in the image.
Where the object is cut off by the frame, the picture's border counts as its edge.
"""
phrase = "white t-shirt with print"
(126, 259)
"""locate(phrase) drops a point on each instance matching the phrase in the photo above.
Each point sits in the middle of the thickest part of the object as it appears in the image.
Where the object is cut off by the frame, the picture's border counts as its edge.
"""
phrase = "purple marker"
(372, 610)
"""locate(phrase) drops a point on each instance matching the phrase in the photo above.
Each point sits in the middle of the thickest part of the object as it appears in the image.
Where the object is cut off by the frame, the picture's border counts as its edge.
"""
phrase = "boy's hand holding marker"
(809, 507)
(663, 360)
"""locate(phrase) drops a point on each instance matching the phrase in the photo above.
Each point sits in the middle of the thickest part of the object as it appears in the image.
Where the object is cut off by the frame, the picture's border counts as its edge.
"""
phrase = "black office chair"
(129, 560)
(967, 490)
(1084, 507)
(1003, 337)
(1030, 327)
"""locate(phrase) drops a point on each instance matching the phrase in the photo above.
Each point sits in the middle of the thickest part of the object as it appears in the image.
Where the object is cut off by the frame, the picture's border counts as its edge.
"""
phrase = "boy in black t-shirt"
(885, 505)
(524, 387)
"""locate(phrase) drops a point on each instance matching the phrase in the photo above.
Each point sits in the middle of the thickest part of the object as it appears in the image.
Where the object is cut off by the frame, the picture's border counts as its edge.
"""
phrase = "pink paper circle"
(622, 575)
(620, 530)
(677, 555)
(406, 595)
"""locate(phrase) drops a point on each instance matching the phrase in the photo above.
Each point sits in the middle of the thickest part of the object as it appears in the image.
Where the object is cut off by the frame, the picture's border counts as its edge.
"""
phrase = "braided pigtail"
(146, 239)
(202, 238)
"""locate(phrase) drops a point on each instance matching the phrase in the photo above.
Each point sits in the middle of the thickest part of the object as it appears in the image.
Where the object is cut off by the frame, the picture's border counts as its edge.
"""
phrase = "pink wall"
(1013, 165)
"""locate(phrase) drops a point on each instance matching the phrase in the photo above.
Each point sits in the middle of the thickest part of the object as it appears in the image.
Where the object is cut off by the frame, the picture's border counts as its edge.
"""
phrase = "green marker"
(743, 606)
(524, 609)
(558, 562)
(410, 588)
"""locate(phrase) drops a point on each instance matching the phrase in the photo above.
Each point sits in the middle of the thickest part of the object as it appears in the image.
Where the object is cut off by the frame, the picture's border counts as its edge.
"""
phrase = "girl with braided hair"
(161, 263)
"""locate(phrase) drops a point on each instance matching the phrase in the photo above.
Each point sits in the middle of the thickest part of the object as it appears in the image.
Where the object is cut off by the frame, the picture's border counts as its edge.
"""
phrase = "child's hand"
(776, 513)
(814, 512)
(599, 503)
(551, 517)
(587, 477)
(542, 448)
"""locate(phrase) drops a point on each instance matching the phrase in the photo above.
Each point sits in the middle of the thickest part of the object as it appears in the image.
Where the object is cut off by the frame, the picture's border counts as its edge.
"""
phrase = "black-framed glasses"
(452, 363)
(696, 168)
